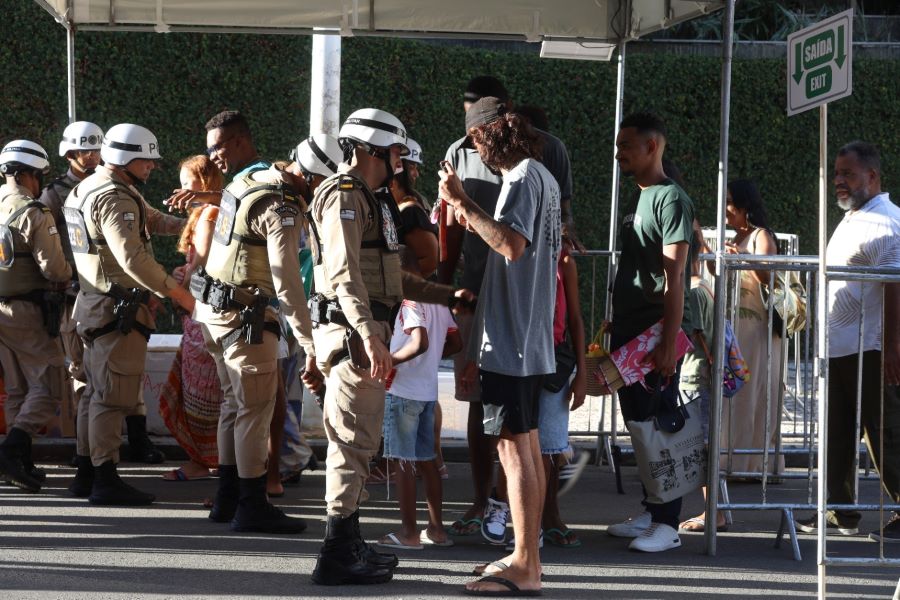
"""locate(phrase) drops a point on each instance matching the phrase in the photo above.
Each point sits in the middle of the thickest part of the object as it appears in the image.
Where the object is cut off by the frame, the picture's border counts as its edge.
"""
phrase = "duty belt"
(128, 301)
(323, 310)
(224, 296)
(50, 303)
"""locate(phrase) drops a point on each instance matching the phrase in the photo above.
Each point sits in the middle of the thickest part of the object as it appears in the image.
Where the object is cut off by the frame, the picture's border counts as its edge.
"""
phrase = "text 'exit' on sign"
(820, 63)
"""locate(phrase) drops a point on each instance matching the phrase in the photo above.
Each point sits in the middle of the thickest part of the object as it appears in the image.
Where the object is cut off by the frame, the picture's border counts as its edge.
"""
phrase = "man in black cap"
(511, 347)
(482, 184)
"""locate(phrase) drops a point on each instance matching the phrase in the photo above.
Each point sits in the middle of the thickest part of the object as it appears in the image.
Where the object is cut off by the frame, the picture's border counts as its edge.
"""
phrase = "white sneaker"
(570, 472)
(656, 538)
(631, 528)
(493, 525)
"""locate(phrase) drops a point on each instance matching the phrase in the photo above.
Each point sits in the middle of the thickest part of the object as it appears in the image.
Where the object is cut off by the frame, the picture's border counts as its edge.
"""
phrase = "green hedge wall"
(173, 83)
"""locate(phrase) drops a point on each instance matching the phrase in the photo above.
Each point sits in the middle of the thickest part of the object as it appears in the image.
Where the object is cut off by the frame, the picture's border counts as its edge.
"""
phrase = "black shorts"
(510, 401)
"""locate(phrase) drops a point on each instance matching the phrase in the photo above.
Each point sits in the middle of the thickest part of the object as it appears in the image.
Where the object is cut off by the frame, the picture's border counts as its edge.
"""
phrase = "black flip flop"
(512, 590)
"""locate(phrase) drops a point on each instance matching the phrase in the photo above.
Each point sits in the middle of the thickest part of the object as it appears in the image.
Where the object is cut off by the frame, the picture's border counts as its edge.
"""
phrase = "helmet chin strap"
(385, 155)
(135, 180)
(81, 166)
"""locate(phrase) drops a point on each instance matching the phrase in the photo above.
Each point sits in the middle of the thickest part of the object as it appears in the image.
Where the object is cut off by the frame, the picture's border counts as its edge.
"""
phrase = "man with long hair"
(511, 345)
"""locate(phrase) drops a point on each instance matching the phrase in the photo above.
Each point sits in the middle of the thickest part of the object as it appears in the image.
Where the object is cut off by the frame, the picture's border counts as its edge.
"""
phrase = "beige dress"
(744, 415)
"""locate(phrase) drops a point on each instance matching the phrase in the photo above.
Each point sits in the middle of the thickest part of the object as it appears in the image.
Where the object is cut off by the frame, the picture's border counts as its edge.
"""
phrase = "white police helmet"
(81, 135)
(23, 155)
(415, 151)
(373, 128)
(125, 142)
(319, 154)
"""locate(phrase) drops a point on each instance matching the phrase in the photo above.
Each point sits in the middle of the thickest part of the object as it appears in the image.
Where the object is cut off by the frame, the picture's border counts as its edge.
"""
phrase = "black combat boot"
(140, 448)
(110, 490)
(28, 462)
(84, 477)
(340, 561)
(369, 554)
(254, 513)
(226, 501)
(12, 452)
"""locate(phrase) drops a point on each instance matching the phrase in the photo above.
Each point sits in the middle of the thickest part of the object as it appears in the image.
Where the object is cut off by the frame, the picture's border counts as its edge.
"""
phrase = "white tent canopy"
(531, 20)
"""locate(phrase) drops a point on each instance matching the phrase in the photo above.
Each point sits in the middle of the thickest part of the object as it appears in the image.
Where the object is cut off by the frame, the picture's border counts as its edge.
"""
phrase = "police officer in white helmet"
(109, 225)
(357, 273)
(80, 146)
(315, 159)
(32, 265)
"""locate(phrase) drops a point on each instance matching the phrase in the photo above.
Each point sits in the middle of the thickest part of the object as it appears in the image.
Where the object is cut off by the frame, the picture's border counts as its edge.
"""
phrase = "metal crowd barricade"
(773, 449)
(605, 433)
(865, 276)
(812, 441)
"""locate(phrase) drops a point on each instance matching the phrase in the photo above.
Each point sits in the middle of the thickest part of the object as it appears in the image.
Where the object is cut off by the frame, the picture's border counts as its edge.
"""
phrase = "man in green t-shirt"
(651, 285)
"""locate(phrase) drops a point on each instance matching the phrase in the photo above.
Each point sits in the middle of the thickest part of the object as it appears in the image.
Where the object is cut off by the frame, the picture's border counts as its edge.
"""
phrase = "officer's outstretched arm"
(421, 290)
(41, 231)
(279, 222)
(159, 223)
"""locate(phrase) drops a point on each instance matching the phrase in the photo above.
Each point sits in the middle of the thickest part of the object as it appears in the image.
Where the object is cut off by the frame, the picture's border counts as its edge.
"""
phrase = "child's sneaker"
(493, 526)
(570, 472)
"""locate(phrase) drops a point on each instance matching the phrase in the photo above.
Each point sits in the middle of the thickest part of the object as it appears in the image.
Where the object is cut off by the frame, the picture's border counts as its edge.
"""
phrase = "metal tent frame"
(575, 21)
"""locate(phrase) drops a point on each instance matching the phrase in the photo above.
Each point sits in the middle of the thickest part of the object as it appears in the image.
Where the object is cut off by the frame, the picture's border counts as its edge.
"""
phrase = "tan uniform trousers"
(354, 415)
(73, 346)
(249, 381)
(33, 367)
(114, 364)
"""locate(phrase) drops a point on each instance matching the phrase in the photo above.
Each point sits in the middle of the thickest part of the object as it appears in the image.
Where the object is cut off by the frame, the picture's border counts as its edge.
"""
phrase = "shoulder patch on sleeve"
(128, 216)
(347, 183)
(348, 214)
(286, 210)
(52, 230)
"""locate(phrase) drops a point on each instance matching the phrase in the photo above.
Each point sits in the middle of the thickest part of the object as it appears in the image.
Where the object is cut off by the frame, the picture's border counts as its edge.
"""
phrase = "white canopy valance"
(532, 20)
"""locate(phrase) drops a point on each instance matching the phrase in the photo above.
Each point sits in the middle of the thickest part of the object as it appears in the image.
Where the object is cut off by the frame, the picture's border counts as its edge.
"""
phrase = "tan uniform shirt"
(40, 235)
(344, 218)
(116, 218)
(280, 224)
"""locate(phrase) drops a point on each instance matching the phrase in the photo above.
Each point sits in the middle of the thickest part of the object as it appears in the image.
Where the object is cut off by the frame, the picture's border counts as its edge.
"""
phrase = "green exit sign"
(820, 63)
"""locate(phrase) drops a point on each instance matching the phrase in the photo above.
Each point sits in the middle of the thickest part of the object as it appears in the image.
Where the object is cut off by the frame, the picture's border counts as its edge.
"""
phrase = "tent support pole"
(715, 422)
(613, 226)
(70, 67)
(325, 85)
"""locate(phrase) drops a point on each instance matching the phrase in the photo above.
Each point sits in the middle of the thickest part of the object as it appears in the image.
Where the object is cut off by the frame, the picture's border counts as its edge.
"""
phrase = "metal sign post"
(820, 70)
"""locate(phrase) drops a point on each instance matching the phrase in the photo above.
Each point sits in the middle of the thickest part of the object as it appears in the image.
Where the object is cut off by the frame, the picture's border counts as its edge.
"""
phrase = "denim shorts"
(408, 429)
(703, 396)
(553, 420)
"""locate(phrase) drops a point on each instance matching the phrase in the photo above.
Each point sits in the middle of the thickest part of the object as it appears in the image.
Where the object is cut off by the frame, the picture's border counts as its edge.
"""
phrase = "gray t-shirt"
(483, 186)
(513, 329)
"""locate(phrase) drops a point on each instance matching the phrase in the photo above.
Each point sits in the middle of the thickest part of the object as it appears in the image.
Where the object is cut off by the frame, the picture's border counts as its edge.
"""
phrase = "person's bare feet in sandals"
(188, 472)
(512, 579)
(698, 524)
(400, 541)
